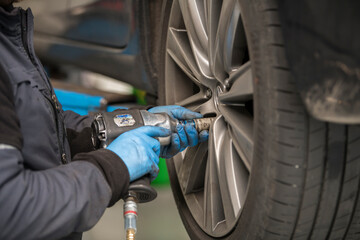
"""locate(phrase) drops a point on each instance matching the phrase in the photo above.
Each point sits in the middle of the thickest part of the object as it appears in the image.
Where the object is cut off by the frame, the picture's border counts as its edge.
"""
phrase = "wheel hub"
(212, 96)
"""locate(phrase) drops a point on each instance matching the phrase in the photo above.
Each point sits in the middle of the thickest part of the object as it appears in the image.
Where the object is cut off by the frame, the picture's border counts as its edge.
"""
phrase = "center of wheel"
(214, 94)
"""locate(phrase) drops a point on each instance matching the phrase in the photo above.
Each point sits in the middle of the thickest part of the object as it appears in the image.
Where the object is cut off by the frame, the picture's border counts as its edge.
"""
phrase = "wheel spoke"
(206, 107)
(234, 40)
(220, 40)
(206, 13)
(180, 51)
(213, 9)
(196, 9)
(233, 179)
(193, 13)
(241, 131)
(213, 205)
(192, 171)
(221, 147)
(241, 86)
(193, 101)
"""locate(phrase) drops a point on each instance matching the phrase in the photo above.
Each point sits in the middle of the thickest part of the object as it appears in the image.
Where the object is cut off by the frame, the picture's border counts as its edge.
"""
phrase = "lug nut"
(208, 93)
(227, 84)
(220, 89)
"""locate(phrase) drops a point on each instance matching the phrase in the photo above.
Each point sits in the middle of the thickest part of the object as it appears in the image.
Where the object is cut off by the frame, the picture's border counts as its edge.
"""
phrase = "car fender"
(322, 42)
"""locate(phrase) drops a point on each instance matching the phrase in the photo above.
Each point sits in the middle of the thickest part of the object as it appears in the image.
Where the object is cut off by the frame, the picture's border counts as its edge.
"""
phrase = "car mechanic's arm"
(52, 203)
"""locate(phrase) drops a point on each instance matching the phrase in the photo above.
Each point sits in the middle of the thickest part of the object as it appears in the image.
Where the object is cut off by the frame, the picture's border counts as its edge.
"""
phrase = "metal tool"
(108, 126)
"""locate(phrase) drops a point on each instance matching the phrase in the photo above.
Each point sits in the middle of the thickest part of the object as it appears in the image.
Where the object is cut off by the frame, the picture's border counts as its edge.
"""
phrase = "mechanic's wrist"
(113, 169)
(126, 164)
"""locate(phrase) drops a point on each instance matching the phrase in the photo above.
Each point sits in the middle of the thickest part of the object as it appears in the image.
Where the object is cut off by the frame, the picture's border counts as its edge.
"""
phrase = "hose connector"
(130, 217)
(130, 234)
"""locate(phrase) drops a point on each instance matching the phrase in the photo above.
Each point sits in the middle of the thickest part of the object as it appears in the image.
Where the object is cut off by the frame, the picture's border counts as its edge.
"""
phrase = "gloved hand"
(140, 150)
(176, 112)
(184, 137)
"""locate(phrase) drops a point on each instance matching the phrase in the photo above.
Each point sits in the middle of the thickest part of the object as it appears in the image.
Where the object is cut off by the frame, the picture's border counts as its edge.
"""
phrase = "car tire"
(304, 176)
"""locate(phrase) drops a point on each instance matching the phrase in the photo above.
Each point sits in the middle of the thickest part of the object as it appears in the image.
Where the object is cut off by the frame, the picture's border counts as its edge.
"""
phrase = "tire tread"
(310, 188)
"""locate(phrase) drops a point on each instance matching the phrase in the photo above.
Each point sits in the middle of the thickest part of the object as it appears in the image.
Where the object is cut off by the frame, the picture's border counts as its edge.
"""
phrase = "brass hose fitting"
(130, 234)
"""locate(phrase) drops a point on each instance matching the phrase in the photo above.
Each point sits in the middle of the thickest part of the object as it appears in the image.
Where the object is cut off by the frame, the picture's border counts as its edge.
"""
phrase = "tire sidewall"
(254, 217)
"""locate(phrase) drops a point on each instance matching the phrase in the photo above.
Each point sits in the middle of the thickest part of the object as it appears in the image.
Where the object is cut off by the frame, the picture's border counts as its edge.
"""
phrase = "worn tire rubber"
(305, 177)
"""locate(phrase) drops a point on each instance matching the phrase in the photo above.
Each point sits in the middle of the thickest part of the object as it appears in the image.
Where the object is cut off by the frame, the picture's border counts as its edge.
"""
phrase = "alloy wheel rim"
(207, 69)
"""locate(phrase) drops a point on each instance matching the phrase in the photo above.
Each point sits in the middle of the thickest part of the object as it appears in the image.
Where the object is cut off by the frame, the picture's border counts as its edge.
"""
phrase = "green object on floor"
(140, 96)
(163, 177)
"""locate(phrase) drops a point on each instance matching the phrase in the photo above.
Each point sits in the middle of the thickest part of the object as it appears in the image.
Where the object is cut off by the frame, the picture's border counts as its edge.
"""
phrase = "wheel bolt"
(208, 93)
(227, 84)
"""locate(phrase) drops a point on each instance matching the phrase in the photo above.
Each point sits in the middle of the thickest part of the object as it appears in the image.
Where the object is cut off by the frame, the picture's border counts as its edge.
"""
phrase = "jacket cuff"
(113, 169)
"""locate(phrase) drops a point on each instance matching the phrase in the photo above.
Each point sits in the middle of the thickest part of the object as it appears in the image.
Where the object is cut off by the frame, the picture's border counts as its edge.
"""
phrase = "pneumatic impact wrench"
(108, 126)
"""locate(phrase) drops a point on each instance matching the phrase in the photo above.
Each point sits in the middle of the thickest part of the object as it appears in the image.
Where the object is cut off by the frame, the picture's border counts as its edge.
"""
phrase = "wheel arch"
(323, 50)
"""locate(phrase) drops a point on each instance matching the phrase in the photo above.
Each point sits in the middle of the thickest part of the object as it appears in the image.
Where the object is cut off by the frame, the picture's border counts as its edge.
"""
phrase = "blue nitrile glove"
(184, 137)
(176, 112)
(140, 150)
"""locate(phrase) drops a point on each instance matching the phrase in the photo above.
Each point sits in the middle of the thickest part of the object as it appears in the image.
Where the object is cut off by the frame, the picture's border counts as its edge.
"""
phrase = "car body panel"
(98, 35)
(101, 22)
(322, 41)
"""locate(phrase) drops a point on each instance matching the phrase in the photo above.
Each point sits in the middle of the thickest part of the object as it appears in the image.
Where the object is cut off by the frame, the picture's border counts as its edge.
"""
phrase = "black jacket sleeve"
(80, 142)
(9, 123)
(75, 121)
(113, 169)
(55, 202)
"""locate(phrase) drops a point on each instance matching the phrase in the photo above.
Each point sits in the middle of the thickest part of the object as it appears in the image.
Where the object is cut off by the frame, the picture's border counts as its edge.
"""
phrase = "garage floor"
(158, 220)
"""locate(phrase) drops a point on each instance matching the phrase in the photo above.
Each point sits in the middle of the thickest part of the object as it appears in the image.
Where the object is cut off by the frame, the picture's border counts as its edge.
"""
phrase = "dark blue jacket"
(46, 191)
